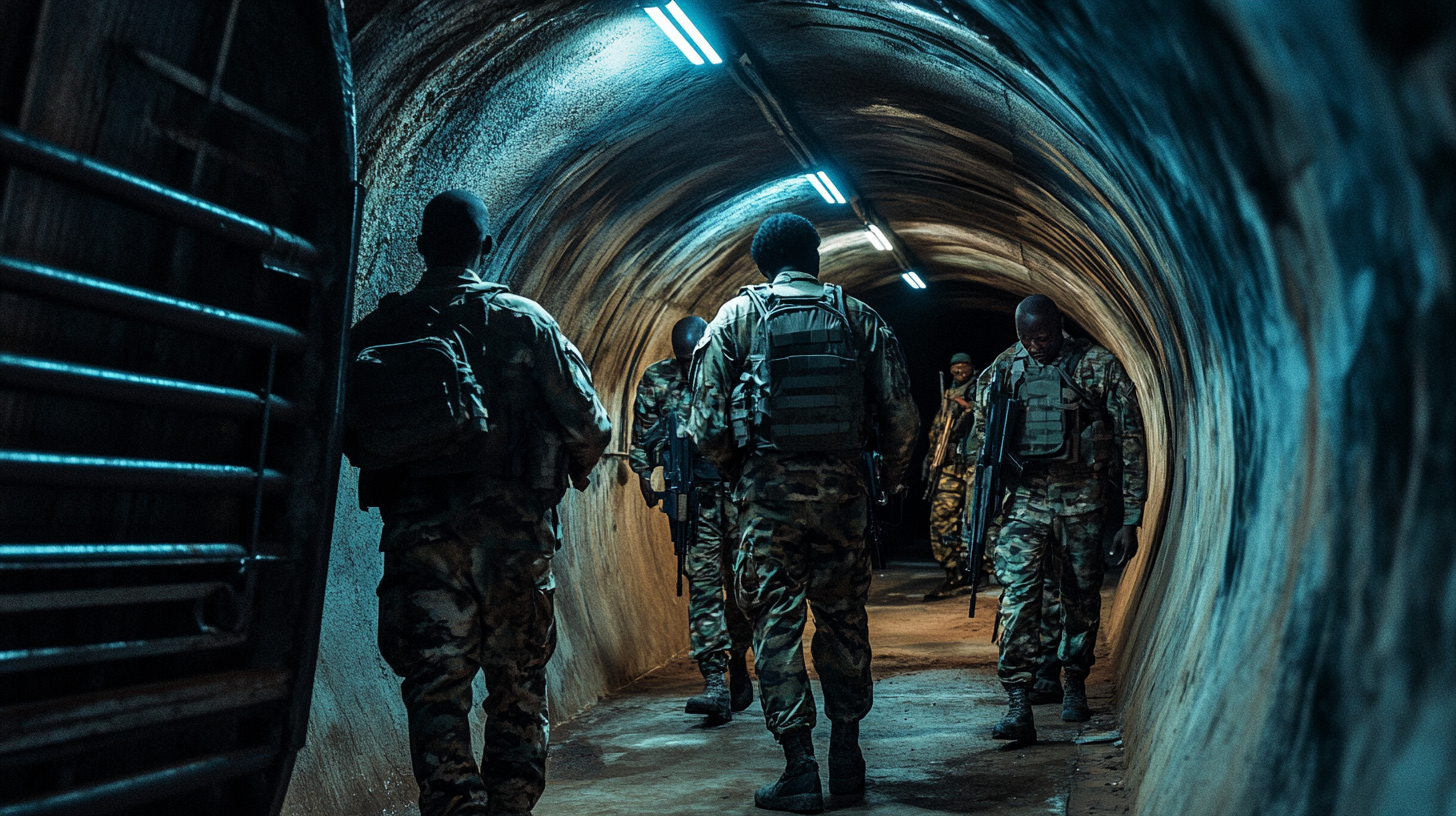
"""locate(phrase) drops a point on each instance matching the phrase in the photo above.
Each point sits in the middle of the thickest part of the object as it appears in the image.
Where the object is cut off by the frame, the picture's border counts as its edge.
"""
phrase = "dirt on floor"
(927, 743)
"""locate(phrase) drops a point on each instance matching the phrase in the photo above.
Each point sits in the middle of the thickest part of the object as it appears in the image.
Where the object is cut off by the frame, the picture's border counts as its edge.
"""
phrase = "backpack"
(415, 398)
(806, 372)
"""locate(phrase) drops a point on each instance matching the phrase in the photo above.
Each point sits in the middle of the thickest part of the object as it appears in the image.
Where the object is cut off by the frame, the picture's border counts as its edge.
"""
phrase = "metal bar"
(49, 657)
(196, 85)
(128, 301)
(188, 210)
(39, 374)
(62, 470)
(87, 716)
(129, 792)
(61, 556)
(106, 596)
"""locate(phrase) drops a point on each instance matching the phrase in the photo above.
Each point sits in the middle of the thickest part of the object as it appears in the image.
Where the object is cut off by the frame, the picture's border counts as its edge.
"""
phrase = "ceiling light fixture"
(673, 34)
(819, 185)
(914, 280)
(838, 196)
(692, 30)
(878, 239)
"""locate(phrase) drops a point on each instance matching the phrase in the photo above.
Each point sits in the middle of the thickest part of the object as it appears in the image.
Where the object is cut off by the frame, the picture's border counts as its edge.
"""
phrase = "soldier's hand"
(648, 494)
(1125, 544)
(964, 403)
(580, 480)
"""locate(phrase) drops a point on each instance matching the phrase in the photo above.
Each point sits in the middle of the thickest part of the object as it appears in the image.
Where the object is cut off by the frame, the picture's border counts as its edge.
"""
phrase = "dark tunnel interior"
(1252, 204)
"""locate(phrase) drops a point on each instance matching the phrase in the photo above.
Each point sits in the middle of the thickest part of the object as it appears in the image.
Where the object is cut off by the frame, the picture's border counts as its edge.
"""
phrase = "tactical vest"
(806, 370)
(1051, 419)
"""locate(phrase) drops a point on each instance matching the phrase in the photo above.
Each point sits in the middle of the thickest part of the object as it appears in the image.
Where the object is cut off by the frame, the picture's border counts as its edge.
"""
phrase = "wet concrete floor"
(927, 743)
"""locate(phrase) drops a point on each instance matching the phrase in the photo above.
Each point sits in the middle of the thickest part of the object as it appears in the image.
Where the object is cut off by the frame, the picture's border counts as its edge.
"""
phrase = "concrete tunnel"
(1249, 203)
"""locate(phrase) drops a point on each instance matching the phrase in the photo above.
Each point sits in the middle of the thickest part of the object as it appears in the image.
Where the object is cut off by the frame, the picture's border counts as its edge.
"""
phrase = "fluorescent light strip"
(878, 239)
(914, 280)
(673, 34)
(838, 197)
(692, 30)
(819, 185)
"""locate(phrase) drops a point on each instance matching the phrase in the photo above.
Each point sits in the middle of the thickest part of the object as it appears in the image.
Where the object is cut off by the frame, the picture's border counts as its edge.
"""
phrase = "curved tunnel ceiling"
(1240, 199)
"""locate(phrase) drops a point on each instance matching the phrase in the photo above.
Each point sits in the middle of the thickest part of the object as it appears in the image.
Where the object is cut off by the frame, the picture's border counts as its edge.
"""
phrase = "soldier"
(787, 385)
(718, 632)
(1081, 423)
(947, 478)
(468, 537)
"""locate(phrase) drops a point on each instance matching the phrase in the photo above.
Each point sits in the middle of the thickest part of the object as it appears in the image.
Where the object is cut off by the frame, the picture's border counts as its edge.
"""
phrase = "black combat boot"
(846, 763)
(1048, 686)
(798, 790)
(1018, 724)
(1074, 699)
(740, 685)
(715, 701)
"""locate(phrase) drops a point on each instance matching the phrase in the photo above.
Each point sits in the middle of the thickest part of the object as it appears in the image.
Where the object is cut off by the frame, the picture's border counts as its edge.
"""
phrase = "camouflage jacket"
(773, 475)
(1119, 449)
(955, 458)
(663, 388)
(545, 419)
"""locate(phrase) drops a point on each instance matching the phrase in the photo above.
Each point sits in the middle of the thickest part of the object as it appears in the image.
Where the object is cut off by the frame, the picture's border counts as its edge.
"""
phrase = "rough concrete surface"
(927, 743)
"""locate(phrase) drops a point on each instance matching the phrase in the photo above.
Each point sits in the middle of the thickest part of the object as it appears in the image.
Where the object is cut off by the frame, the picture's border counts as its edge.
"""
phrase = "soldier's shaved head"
(455, 230)
(1039, 328)
(685, 336)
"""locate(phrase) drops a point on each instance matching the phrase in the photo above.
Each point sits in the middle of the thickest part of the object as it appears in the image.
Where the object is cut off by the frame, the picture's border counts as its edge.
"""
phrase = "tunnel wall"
(1251, 206)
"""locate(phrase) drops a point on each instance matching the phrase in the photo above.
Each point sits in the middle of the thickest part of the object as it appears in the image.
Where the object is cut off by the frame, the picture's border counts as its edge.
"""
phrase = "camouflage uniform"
(716, 625)
(1060, 507)
(947, 501)
(467, 553)
(802, 517)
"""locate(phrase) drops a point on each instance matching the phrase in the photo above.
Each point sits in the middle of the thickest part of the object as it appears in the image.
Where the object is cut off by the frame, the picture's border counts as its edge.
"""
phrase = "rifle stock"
(992, 466)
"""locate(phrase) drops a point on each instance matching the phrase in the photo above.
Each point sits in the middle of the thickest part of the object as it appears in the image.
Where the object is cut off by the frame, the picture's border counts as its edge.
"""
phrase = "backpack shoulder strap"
(1068, 367)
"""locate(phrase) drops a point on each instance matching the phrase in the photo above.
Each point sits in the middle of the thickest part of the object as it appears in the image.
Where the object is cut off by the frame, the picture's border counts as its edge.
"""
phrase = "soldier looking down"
(945, 471)
(1081, 441)
(718, 632)
(469, 512)
(787, 385)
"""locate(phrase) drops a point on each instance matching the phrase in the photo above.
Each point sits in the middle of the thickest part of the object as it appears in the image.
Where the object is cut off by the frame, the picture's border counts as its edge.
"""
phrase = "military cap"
(962, 357)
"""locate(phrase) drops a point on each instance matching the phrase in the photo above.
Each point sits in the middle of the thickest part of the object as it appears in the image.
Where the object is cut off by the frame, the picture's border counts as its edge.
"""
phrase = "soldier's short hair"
(784, 239)
(454, 224)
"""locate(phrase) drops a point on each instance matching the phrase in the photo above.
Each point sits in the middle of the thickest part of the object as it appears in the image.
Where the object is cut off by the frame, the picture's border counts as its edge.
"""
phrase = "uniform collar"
(794, 276)
(442, 276)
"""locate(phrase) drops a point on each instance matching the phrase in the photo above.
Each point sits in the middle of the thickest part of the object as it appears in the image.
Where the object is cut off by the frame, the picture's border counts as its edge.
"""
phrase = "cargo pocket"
(745, 575)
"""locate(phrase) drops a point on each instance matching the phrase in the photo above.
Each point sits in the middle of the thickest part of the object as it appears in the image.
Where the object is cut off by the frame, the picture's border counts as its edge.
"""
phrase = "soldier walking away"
(1081, 443)
(786, 387)
(945, 470)
(469, 413)
(718, 632)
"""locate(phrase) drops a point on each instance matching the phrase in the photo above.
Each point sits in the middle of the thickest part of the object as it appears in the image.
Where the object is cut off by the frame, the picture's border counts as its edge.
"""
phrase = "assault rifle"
(681, 463)
(875, 498)
(937, 456)
(995, 462)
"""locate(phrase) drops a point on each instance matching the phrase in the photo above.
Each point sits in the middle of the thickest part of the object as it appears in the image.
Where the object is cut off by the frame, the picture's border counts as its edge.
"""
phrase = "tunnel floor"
(927, 742)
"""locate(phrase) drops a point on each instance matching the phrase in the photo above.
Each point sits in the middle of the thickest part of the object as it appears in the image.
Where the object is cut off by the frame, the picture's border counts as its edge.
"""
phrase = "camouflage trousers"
(795, 557)
(448, 609)
(1034, 624)
(716, 625)
(945, 521)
